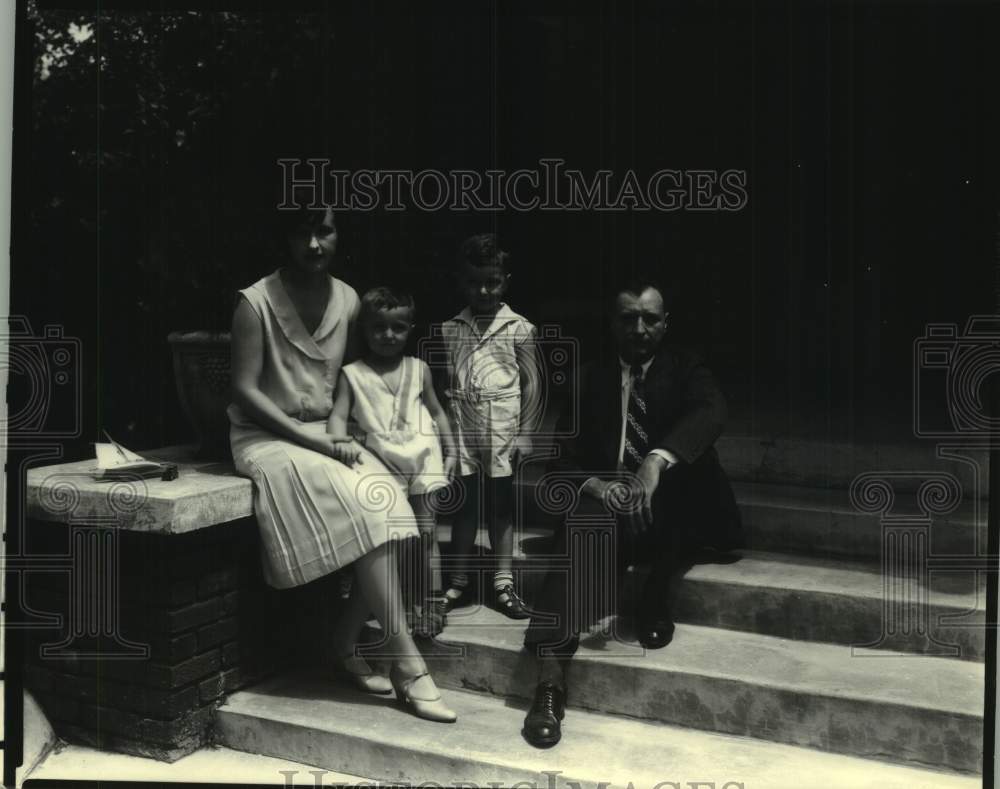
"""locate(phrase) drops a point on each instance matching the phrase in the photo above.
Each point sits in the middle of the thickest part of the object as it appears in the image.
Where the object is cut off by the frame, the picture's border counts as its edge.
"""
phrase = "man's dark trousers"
(667, 547)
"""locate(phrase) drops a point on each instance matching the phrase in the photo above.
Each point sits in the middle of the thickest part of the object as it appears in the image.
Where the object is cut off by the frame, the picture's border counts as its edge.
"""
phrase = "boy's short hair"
(482, 250)
(384, 298)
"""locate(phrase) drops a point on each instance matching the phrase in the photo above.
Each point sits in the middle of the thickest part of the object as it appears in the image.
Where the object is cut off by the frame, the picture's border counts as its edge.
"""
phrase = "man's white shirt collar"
(627, 369)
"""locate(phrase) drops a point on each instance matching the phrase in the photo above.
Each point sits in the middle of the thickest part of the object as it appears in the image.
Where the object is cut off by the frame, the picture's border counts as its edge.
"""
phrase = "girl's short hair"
(384, 298)
(482, 250)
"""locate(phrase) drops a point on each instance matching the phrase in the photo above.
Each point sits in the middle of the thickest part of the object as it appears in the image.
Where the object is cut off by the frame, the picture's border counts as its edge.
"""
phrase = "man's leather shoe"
(656, 633)
(542, 723)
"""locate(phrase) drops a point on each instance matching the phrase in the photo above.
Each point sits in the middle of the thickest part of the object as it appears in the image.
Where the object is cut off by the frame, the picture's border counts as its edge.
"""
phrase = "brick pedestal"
(196, 603)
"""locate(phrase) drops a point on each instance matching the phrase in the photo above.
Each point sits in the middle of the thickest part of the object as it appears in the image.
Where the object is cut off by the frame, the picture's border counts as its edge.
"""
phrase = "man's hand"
(450, 466)
(620, 497)
(595, 488)
(648, 476)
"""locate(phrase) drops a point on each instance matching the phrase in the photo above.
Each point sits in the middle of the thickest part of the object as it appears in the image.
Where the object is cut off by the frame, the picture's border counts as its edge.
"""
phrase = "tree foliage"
(155, 142)
(153, 183)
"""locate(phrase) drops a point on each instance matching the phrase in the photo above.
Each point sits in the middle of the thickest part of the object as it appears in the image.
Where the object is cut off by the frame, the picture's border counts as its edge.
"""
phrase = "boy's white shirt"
(503, 316)
(476, 370)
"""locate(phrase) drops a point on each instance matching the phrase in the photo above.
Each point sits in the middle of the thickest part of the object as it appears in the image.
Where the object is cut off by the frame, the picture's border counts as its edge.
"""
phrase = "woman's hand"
(342, 448)
(347, 453)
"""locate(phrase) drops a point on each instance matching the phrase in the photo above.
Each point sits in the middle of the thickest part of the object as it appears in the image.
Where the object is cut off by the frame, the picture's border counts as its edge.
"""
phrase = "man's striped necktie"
(636, 440)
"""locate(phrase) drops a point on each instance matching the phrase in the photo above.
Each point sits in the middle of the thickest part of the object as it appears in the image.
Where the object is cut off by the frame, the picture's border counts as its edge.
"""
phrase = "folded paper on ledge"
(115, 462)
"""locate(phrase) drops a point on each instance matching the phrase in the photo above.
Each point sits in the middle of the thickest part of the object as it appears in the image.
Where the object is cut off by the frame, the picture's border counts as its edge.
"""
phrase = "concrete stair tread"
(818, 574)
(312, 720)
(838, 500)
(826, 575)
(952, 686)
(807, 598)
(76, 765)
(827, 462)
(836, 601)
(823, 521)
(807, 497)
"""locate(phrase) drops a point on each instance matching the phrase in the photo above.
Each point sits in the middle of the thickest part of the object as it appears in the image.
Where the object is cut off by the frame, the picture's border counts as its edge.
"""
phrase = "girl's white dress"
(399, 428)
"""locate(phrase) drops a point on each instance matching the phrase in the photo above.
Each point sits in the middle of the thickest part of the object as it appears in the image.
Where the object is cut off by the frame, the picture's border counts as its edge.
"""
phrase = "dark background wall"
(146, 189)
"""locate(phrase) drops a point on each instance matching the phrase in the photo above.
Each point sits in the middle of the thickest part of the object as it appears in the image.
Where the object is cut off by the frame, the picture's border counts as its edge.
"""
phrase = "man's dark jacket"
(685, 414)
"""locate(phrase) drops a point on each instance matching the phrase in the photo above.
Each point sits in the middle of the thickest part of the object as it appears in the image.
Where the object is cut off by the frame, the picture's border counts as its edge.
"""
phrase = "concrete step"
(862, 702)
(767, 448)
(78, 765)
(804, 598)
(308, 719)
(833, 602)
(823, 522)
(769, 458)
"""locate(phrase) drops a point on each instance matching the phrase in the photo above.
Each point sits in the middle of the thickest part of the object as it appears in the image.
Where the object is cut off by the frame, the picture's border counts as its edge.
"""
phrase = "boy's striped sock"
(503, 578)
(459, 583)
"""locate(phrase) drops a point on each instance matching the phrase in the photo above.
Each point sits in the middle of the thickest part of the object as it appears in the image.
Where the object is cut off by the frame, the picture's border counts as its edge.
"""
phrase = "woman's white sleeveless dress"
(316, 515)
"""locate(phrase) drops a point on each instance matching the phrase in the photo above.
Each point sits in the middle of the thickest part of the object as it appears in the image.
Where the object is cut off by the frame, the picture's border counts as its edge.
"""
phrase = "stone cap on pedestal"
(205, 493)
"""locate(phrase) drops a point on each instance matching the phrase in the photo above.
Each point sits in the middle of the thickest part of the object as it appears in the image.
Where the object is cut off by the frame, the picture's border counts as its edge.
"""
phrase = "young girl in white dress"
(392, 399)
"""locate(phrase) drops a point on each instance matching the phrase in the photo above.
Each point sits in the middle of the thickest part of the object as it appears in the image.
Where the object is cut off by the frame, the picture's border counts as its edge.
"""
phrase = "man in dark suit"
(644, 458)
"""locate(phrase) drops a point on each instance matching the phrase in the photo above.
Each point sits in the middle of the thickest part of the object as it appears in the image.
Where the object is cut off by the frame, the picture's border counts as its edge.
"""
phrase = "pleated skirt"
(315, 514)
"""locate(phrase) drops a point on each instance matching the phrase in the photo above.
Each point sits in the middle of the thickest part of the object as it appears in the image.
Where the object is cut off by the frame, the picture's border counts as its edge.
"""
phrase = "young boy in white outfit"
(493, 393)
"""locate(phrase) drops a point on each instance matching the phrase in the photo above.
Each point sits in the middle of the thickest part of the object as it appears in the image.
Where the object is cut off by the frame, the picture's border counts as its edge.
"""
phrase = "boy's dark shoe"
(542, 724)
(466, 595)
(431, 619)
(510, 604)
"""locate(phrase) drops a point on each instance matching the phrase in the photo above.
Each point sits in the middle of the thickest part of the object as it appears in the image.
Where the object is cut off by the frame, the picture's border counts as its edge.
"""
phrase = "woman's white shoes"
(432, 709)
(424, 702)
(356, 670)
